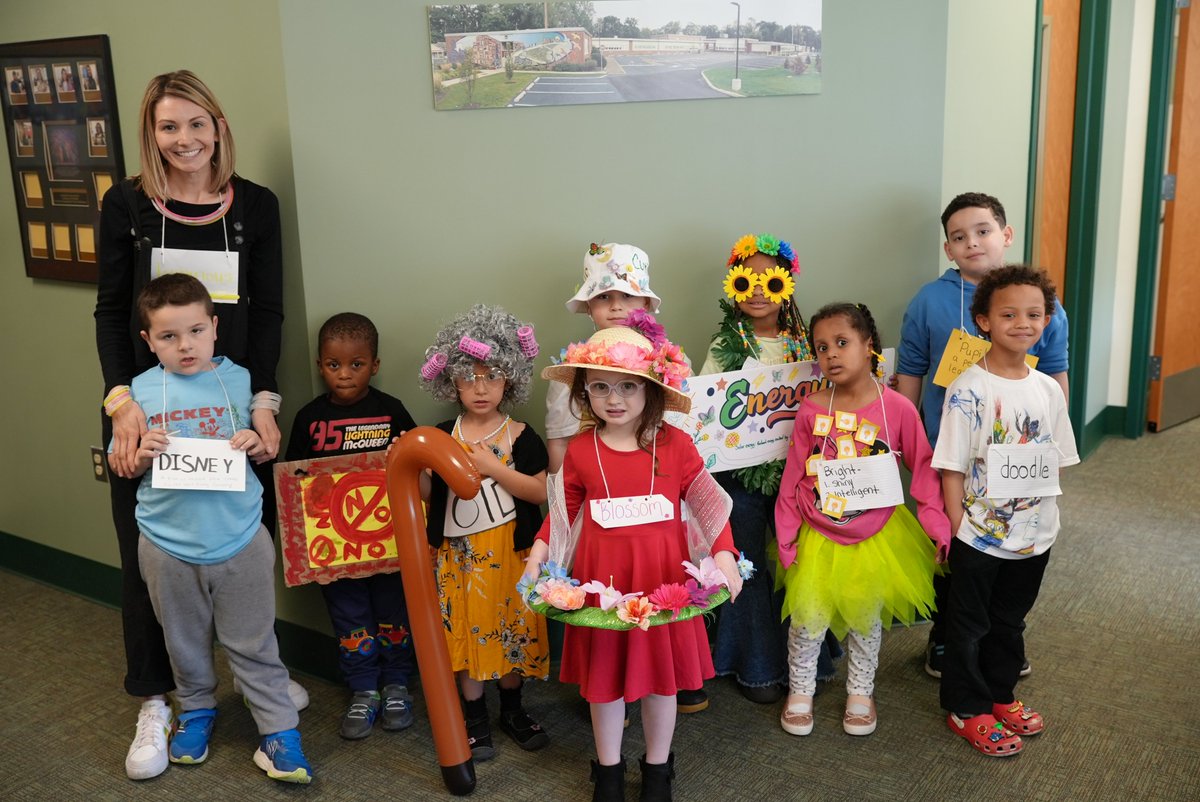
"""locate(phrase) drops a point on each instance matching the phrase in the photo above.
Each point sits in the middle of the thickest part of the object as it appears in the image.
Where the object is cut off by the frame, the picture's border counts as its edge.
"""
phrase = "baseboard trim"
(302, 649)
(1110, 421)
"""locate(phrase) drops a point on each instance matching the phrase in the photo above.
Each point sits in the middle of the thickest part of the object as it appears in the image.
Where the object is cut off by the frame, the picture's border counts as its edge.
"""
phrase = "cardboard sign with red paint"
(334, 518)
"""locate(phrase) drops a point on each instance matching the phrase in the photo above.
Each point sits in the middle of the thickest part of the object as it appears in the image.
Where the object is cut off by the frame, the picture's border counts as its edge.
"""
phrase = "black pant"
(147, 666)
(984, 626)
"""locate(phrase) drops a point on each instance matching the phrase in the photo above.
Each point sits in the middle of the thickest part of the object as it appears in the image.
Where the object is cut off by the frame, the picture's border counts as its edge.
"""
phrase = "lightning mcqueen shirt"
(325, 429)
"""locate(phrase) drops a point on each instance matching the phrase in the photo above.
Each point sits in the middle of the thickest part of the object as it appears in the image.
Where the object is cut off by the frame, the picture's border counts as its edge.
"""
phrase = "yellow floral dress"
(489, 630)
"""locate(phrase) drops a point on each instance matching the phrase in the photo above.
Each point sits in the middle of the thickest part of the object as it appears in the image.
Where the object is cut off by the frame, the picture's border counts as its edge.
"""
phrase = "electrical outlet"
(99, 464)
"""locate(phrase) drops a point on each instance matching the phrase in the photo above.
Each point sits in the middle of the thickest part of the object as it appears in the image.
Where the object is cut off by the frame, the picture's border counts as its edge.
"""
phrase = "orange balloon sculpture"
(420, 448)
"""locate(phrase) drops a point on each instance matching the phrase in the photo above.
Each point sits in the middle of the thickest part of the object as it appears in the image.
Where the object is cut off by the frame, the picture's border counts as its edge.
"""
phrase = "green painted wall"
(410, 215)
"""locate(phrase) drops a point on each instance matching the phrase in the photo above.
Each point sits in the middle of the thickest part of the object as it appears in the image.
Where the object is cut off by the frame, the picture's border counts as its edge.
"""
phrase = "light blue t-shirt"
(942, 306)
(198, 526)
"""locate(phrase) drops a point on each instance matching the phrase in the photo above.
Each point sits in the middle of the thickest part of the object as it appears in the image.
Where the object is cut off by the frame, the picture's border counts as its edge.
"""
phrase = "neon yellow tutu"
(887, 577)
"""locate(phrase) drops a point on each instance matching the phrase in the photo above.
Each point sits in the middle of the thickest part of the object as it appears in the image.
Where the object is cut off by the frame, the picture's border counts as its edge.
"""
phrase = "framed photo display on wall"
(64, 147)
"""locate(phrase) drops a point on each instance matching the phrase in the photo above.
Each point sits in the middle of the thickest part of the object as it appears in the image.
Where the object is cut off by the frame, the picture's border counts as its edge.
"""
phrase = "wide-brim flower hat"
(626, 350)
(614, 267)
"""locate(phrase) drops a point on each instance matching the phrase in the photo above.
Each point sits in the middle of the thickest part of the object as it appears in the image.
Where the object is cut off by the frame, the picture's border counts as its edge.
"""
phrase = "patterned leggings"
(804, 648)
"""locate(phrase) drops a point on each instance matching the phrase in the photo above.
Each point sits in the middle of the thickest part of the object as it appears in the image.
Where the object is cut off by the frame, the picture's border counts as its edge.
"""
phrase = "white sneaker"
(147, 756)
(296, 693)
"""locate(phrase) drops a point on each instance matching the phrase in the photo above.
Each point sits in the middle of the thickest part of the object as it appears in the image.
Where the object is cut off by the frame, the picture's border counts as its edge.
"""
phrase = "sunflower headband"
(776, 282)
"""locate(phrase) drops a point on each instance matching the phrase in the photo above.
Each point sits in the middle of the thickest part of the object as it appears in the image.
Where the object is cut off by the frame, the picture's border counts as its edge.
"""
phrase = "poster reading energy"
(744, 417)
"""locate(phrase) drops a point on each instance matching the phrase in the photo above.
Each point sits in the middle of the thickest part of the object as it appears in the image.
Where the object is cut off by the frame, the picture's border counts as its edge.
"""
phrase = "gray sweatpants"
(236, 599)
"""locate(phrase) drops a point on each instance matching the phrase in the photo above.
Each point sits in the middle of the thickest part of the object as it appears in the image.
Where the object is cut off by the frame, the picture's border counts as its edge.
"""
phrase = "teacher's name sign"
(744, 417)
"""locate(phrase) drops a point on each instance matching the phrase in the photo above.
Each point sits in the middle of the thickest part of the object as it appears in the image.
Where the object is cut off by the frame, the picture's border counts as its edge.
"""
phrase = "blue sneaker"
(281, 757)
(190, 743)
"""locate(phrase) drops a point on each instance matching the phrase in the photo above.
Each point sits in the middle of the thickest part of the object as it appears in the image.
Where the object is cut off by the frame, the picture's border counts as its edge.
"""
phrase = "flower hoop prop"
(556, 596)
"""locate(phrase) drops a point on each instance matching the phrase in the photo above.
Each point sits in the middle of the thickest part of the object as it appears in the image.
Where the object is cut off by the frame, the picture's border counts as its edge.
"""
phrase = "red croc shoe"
(1019, 718)
(987, 735)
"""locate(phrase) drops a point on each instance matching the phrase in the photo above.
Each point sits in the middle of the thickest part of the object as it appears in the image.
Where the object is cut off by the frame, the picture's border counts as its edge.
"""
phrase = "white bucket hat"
(614, 267)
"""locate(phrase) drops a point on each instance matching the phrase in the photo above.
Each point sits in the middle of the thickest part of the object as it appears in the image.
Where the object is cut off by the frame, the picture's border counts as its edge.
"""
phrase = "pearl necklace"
(458, 433)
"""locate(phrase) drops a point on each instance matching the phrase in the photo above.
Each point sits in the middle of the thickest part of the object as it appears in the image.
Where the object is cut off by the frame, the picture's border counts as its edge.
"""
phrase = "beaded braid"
(861, 320)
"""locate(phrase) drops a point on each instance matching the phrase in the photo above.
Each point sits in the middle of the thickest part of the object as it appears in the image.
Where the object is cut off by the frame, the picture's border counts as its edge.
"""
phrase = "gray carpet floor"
(1113, 641)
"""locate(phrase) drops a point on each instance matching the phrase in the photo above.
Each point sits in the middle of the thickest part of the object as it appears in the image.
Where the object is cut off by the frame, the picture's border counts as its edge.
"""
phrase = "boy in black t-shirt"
(369, 616)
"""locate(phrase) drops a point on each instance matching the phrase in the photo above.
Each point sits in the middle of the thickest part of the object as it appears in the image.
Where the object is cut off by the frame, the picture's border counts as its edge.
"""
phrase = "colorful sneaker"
(147, 755)
(281, 757)
(296, 693)
(360, 716)
(190, 743)
(397, 708)
(934, 653)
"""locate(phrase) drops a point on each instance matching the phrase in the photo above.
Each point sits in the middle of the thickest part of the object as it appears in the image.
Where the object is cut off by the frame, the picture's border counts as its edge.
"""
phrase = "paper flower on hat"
(629, 357)
(739, 283)
(637, 612)
(669, 363)
(644, 324)
(777, 277)
(610, 597)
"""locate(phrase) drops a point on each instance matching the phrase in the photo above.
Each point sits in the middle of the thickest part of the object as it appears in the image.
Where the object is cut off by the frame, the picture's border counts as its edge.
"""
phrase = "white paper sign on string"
(216, 270)
(490, 507)
(866, 483)
(199, 463)
(614, 513)
(1022, 470)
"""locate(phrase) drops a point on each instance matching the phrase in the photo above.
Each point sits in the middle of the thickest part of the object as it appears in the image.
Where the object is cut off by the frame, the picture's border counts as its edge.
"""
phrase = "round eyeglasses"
(622, 388)
(493, 376)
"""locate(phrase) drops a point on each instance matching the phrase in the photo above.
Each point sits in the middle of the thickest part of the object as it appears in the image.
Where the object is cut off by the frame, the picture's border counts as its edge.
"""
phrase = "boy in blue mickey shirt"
(205, 556)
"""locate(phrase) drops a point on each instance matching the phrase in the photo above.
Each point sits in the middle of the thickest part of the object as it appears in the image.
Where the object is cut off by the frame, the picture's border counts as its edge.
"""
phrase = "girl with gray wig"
(483, 361)
(486, 335)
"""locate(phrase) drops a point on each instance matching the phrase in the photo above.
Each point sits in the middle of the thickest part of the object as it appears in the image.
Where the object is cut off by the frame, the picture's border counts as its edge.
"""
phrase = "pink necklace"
(223, 206)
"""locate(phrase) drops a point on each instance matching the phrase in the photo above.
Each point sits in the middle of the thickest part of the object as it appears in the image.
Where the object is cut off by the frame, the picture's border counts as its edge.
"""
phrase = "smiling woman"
(187, 212)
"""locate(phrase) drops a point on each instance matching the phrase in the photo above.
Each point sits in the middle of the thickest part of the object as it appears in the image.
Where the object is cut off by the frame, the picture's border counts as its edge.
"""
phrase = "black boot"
(610, 782)
(479, 729)
(656, 779)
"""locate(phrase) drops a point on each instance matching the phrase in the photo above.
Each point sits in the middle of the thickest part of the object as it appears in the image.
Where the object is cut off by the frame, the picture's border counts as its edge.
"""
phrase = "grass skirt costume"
(884, 578)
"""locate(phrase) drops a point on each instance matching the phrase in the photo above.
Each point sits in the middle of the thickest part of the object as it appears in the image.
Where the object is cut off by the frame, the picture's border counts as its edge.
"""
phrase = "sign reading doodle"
(334, 518)
(744, 417)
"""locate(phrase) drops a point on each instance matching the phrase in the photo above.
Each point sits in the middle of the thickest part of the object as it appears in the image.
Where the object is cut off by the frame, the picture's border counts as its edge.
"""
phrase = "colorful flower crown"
(556, 595)
(751, 244)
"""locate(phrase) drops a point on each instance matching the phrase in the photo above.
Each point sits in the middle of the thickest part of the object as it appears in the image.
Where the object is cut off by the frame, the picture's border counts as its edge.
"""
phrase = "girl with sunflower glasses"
(761, 321)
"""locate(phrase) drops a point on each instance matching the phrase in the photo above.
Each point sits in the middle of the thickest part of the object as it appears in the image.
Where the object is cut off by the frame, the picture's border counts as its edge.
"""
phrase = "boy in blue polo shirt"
(977, 235)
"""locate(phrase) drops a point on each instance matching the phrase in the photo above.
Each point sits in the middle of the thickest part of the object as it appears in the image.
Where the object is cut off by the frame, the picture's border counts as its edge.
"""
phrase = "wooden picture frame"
(64, 143)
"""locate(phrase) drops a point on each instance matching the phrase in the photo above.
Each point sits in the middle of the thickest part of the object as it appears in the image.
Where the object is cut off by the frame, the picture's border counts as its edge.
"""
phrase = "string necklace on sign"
(487, 438)
(226, 201)
(886, 431)
(600, 465)
(228, 405)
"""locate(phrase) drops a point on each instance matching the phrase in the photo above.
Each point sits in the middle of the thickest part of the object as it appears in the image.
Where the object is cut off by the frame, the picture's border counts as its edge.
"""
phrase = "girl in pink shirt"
(856, 558)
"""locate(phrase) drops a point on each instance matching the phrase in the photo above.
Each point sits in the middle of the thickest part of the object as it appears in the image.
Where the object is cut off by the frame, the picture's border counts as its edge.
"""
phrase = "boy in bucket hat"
(616, 282)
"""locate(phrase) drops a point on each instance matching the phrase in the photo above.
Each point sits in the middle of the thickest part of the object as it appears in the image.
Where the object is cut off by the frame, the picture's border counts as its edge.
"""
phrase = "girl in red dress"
(621, 485)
